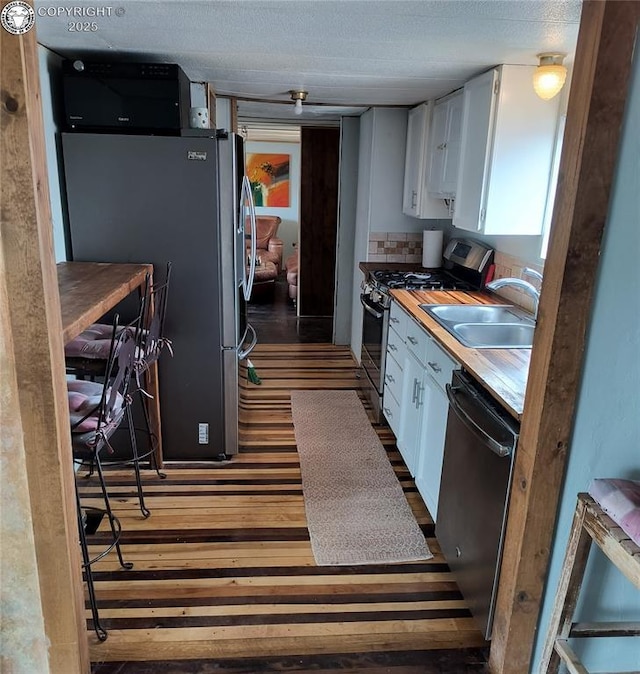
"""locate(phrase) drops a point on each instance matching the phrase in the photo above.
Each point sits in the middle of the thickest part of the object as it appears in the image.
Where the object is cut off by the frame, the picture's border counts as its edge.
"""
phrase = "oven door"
(374, 337)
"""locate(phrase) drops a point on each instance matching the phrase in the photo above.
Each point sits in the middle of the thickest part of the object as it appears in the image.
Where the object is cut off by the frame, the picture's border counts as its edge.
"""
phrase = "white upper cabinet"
(416, 201)
(508, 137)
(444, 146)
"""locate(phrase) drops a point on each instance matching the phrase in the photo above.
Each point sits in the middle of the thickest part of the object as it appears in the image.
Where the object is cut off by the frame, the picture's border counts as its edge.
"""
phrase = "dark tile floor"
(273, 316)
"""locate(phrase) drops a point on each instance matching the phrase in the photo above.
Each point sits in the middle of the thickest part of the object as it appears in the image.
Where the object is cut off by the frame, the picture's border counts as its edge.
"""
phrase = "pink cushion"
(94, 342)
(84, 397)
(620, 499)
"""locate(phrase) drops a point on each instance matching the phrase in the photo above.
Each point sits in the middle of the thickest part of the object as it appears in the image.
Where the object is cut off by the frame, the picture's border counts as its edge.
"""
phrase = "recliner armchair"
(268, 246)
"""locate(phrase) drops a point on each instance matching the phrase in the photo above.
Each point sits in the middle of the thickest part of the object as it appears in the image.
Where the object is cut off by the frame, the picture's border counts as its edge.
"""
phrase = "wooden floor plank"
(224, 570)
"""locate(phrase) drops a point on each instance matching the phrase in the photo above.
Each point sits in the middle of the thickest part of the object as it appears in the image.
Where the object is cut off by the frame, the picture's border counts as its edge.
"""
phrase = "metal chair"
(85, 356)
(96, 411)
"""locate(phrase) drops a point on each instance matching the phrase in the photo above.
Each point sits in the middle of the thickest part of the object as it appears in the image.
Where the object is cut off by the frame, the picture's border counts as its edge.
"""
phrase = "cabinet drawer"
(440, 365)
(393, 377)
(391, 410)
(395, 345)
(398, 319)
(417, 340)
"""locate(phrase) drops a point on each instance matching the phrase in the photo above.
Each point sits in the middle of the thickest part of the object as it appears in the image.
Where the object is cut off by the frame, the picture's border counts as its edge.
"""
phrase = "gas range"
(466, 264)
(380, 282)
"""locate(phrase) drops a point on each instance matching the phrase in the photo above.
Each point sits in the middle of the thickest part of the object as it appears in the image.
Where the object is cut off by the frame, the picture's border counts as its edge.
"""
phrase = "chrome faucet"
(522, 284)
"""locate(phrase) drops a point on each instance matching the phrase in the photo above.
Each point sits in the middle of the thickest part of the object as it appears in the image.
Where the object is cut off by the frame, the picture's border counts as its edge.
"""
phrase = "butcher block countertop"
(502, 372)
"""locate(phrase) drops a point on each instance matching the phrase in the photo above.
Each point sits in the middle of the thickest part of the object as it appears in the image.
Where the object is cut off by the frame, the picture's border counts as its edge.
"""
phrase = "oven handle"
(368, 308)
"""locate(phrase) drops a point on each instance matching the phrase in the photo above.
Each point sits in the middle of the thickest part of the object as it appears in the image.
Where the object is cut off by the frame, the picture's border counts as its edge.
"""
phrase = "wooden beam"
(594, 120)
(34, 313)
(234, 114)
(210, 94)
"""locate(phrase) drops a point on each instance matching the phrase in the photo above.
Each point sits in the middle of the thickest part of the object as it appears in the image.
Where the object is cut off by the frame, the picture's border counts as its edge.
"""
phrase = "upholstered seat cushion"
(93, 343)
(268, 246)
(291, 265)
(620, 499)
(84, 406)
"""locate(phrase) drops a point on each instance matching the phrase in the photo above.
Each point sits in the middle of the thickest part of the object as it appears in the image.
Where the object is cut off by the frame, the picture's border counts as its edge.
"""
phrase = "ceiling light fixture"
(298, 96)
(549, 76)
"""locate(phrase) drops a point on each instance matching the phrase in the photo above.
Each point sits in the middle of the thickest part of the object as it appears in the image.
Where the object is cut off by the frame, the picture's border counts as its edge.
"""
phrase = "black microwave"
(125, 97)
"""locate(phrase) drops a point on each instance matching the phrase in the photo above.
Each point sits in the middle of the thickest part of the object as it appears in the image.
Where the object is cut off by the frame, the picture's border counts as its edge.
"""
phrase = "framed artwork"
(270, 179)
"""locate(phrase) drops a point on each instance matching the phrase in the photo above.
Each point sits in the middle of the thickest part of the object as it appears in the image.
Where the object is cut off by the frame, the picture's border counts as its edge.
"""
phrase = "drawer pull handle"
(393, 319)
(393, 347)
(387, 411)
(434, 366)
(413, 340)
(389, 378)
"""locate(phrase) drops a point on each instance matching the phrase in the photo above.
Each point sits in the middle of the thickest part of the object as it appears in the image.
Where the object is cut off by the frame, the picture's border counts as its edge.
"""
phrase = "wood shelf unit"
(590, 524)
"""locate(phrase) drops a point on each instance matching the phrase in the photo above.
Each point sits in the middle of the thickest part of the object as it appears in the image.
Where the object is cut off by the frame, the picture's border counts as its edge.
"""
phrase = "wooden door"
(318, 220)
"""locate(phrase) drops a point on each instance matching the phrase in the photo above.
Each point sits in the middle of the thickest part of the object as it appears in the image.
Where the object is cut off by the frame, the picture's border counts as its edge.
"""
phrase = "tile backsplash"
(407, 247)
(511, 266)
(395, 247)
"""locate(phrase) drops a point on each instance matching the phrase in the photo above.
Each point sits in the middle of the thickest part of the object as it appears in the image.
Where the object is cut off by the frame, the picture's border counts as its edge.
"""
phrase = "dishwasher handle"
(495, 446)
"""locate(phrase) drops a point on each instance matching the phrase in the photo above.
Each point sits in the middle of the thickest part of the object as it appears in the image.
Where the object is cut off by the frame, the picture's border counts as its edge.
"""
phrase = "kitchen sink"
(495, 336)
(472, 313)
(484, 326)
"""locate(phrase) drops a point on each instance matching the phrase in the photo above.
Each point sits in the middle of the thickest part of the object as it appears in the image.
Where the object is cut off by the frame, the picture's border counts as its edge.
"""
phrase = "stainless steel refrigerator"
(184, 200)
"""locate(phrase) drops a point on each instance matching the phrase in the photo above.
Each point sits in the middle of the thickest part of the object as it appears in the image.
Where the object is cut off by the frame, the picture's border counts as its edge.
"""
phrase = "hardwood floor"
(224, 579)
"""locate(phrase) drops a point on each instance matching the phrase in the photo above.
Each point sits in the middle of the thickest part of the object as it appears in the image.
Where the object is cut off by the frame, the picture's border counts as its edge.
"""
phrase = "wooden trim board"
(36, 327)
(594, 121)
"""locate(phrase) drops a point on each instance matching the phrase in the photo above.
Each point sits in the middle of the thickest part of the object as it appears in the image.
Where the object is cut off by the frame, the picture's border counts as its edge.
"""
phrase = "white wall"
(606, 435)
(289, 227)
(50, 86)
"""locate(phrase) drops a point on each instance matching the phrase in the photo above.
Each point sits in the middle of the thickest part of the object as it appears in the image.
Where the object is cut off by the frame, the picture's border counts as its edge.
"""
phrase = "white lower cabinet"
(412, 406)
(434, 426)
(415, 403)
(393, 379)
(440, 367)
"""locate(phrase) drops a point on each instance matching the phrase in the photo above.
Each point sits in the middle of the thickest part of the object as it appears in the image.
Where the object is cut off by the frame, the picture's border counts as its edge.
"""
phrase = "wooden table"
(88, 290)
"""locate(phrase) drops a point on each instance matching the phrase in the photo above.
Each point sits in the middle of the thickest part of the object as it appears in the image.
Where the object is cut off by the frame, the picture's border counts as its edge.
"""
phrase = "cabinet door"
(412, 404)
(430, 456)
(416, 199)
(477, 130)
(452, 145)
(437, 148)
(414, 161)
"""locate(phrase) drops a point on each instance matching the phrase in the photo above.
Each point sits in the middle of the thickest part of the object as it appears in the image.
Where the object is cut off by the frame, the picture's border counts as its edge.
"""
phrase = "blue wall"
(606, 436)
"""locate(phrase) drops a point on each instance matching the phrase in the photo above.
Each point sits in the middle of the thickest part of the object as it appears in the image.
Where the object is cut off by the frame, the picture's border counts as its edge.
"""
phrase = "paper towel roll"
(432, 248)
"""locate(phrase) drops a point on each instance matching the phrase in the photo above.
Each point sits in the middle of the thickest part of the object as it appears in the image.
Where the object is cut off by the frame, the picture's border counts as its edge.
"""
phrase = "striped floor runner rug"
(356, 509)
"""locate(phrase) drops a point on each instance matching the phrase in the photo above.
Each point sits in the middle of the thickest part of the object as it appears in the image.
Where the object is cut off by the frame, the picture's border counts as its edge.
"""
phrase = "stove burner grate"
(435, 280)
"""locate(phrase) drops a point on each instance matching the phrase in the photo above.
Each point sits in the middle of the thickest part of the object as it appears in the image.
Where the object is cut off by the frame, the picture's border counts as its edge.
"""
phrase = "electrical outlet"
(203, 434)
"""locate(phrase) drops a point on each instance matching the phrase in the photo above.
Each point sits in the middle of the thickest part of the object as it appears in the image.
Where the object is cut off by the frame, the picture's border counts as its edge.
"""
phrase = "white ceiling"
(344, 53)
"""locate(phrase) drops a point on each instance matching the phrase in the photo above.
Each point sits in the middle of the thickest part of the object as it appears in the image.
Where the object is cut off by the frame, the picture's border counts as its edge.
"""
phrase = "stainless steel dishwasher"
(480, 444)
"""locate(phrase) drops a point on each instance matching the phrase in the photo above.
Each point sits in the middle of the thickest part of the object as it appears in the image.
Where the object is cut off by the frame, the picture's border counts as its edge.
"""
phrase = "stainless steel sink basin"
(472, 313)
(495, 336)
(484, 326)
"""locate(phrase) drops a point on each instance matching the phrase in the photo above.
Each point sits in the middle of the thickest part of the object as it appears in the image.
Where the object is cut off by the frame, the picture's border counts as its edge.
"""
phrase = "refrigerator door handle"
(248, 281)
(243, 353)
